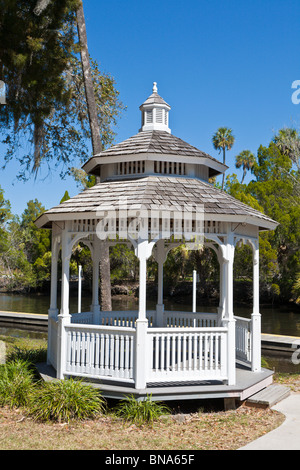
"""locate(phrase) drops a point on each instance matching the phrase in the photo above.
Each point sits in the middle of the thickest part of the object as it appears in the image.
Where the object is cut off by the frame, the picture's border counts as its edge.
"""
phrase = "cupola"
(155, 113)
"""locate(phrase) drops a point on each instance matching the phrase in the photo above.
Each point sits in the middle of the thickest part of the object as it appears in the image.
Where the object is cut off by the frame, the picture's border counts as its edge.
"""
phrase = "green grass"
(140, 412)
(16, 383)
(65, 400)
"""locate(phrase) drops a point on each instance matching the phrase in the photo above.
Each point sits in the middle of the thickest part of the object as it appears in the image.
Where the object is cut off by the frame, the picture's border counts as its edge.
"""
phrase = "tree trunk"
(223, 179)
(88, 82)
(105, 285)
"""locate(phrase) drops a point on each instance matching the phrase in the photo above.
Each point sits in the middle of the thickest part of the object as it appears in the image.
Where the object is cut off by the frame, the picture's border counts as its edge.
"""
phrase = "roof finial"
(154, 87)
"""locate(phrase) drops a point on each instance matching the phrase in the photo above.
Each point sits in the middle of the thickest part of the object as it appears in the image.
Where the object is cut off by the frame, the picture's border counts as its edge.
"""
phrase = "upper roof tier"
(155, 143)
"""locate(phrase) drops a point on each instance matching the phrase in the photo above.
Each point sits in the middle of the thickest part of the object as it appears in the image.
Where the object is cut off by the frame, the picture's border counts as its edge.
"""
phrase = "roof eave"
(94, 163)
(46, 219)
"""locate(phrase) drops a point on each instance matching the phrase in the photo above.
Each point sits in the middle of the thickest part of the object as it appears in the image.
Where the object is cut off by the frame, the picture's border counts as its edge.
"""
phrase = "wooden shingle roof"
(152, 192)
(151, 142)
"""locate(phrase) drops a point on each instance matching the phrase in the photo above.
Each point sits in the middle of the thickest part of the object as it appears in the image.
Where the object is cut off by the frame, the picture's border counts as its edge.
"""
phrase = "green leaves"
(141, 412)
(45, 120)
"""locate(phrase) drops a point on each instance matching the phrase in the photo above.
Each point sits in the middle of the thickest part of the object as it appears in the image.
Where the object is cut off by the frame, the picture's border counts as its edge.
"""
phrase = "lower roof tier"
(157, 193)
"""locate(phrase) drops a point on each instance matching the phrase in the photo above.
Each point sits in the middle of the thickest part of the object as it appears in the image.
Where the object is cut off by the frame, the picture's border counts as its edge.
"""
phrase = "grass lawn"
(198, 430)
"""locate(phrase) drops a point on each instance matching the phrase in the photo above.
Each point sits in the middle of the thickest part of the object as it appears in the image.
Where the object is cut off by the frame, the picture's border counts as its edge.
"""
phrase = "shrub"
(16, 384)
(140, 412)
(32, 356)
(66, 400)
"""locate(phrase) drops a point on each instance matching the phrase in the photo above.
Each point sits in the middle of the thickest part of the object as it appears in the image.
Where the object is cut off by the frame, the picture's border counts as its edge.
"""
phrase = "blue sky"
(217, 63)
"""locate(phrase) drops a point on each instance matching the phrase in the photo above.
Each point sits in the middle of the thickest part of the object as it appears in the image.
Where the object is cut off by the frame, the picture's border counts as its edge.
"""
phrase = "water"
(279, 320)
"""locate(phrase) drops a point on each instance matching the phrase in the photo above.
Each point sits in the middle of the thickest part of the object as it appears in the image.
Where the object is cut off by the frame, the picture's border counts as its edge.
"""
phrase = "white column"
(142, 285)
(64, 318)
(160, 258)
(229, 321)
(256, 316)
(53, 287)
(221, 309)
(53, 311)
(96, 253)
(143, 251)
(79, 287)
(194, 290)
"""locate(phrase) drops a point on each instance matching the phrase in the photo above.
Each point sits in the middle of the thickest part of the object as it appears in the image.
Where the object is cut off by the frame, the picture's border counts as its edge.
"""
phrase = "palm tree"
(288, 142)
(245, 159)
(223, 140)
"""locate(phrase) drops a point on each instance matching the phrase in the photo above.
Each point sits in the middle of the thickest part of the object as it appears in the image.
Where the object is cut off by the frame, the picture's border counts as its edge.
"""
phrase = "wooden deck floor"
(248, 383)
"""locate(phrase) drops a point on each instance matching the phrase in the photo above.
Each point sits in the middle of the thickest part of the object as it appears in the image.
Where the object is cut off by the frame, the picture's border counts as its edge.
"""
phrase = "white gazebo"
(154, 194)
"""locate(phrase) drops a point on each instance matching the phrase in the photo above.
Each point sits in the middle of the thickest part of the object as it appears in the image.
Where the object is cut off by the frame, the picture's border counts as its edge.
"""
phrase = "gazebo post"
(160, 258)
(96, 254)
(64, 318)
(222, 287)
(143, 251)
(53, 310)
(229, 321)
(142, 322)
(256, 316)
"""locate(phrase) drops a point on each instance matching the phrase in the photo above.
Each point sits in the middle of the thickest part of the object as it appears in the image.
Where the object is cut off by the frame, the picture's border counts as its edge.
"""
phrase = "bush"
(65, 400)
(140, 412)
(31, 356)
(16, 384)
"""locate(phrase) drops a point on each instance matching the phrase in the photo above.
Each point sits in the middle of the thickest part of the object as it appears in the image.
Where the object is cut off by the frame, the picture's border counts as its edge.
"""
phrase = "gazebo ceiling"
(157, 193)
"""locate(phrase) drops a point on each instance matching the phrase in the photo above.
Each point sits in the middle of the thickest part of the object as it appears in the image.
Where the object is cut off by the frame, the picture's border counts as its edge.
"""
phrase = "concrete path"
(286, 436)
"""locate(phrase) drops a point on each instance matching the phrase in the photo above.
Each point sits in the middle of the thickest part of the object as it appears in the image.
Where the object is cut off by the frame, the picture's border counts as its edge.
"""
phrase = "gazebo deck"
(247, 384)
(186, 355)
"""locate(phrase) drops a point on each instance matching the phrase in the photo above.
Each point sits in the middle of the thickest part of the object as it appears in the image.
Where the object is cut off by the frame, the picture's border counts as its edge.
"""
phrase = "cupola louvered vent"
(155, 113)
(159, 115)
(149, 116)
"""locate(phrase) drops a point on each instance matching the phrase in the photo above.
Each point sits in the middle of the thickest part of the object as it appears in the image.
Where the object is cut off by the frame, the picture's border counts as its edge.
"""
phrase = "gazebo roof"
(153, 143)
(153, 192)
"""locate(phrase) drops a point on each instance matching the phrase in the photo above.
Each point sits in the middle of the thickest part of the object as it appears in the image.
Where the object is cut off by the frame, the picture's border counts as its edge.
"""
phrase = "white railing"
(187, 319)
(189, 347)
(191, 354)
(100, 351)
(243, 338)
(83, 318)
(127, 318)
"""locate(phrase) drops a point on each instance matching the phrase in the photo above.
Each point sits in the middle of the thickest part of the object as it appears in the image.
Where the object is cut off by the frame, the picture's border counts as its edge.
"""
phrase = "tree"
(97, 146)
(246, 160)
(288, 142)
(274, 189)
(56, 102)
(45, 120)
(35, 51)
(223, 140)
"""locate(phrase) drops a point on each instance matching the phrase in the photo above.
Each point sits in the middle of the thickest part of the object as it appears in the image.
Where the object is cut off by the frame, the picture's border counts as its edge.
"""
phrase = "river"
(279, 320)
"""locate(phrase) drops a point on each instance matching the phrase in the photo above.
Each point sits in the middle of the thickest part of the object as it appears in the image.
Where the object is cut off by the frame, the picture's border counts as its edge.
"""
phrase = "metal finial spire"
(154, 87)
